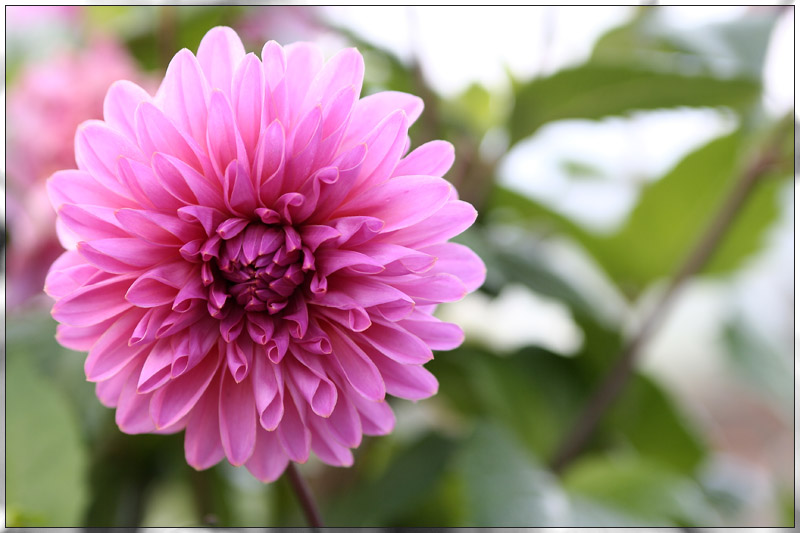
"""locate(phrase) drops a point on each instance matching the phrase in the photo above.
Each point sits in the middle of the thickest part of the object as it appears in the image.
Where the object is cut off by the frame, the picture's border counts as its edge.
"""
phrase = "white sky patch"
(624, 152)
(779, 68)
(460, 46)
(518, 317)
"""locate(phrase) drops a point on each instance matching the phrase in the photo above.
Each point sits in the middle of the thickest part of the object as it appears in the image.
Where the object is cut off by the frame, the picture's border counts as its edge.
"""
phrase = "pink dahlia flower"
(45, 104)
(257, 258)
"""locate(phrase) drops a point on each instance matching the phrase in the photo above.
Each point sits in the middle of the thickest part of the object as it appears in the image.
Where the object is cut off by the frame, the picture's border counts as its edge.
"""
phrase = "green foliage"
(593, 91)
(644, 490)
(651, 424)
(46, 481)
(673, 210)
(405, 484)
(503, 485)
(760, 363)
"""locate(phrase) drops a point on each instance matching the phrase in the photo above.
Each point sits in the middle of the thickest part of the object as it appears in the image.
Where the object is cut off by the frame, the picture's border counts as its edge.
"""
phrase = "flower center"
(258, 266)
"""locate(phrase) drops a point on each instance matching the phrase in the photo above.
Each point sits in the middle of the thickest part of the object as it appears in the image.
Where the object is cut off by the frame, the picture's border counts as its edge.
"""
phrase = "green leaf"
(46, 458)
(668, 219)
(673, 212)
(504, 487)
(411, 476)
(737, 46)
(644, 490)
(170, 503)
(756, 360)
(593, 91)
(550, 387)
(650, 422)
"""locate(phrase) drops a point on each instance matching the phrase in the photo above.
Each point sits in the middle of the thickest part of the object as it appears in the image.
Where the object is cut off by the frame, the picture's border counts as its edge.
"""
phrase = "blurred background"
(597, 144)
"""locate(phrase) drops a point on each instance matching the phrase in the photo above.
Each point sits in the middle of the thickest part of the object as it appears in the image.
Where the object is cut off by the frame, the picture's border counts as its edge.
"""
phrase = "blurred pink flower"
(280, 23)
(257, 259)
(24, 17)
(46, 104)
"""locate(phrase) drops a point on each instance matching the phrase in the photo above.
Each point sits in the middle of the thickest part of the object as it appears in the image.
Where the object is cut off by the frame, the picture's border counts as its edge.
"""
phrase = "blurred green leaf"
(411, 476)
(170, 503)
(533, 392)
(47, 460)
(33, 332)
(669, 218)
(655, 427)
(593, 91)
(676, 209)
(504, 487)
(736, 46)
(759, 362)
(646, 491)
(522, 259)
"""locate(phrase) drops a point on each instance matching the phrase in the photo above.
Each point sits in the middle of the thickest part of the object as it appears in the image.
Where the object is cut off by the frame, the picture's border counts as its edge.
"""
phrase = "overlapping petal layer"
(254, 257)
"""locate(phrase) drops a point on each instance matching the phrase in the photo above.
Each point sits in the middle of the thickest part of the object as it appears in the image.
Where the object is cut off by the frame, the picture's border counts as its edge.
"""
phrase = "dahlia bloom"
(256, 257)
(45, 104)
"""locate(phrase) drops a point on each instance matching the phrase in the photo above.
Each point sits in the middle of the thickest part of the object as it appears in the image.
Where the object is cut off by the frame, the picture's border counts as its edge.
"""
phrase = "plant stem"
(622, 370)
(304, 496)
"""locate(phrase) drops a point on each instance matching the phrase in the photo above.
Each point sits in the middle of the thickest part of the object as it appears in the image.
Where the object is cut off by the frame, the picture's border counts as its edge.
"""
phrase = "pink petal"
(109, 390)
(326, 447)
(247, 100)
(401, 202)
(94, 303)
(156, 369)
(344, 423)
(133, 409)
(184, 95)
(303, 61)
(81, 339)
(268, 391)
(223, 138)
(91, 222)
(145, 188)
(184, 182)
(79, 187)
(173, 401)
(433, 158)
(411, 382)
(318, 391)
(157, 133)
(344, 69)
(68, 273)
(460, 261)
(385, 145)
(435, 333)
(397, 344)
(111, 352)
(452, 219)
(371, 110)
(269, 162)
(355, 366)
(123, 255)
(268, 460)
(293, 433)
(219, 55)
(377, 418)
(97, 147)
(120, 105)
(430, 289)
(202, 443)
(237, 419)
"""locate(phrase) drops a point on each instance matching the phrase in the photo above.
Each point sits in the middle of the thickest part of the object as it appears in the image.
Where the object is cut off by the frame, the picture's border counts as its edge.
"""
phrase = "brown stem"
(304, 496)
(622, 369)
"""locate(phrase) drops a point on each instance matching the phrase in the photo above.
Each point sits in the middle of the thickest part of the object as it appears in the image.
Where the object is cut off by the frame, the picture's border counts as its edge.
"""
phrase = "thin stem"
(304, 496)
(622, 370)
